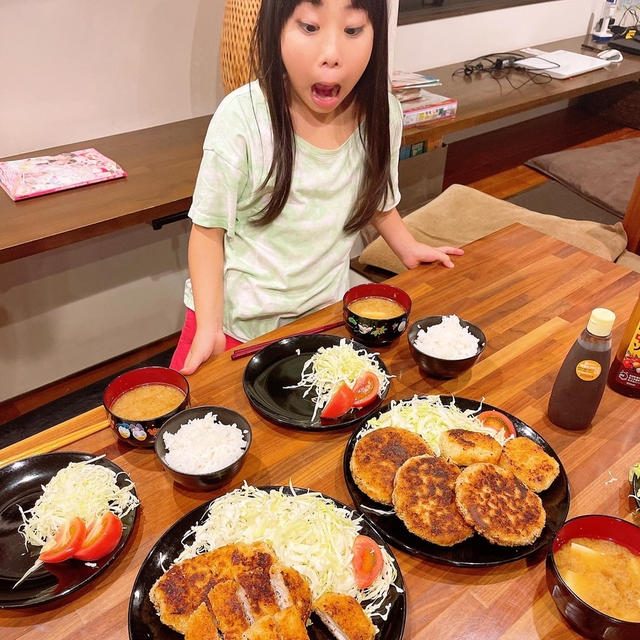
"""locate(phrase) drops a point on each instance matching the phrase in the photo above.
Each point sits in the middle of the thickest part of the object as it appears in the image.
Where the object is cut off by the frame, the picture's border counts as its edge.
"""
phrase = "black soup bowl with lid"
(367, 325)
(140, 427)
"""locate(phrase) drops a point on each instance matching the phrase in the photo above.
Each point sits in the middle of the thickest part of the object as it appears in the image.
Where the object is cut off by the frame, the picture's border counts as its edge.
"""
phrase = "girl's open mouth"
(325, 94)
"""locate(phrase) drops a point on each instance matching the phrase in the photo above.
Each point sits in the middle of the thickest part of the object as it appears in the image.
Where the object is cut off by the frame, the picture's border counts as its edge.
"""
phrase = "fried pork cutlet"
(379, 454)
(256, 594)
(498, 506)
(344, 617)
(290, 625)
(424, 499)
(227, 610)
(179, 592)
(291, 589)
(283, 625)
(463, 447)
(529, 463)
(263, 629)
(201, 625)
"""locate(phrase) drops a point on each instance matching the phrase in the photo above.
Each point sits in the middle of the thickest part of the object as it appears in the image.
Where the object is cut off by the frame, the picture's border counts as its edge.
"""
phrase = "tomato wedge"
(103, 535)
(366, 562)
(497, 421)
(365, 389)
(339, 403)
(66, 542)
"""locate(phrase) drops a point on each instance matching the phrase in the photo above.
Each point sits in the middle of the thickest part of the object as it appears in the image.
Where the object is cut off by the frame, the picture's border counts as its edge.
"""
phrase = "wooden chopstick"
(254, 348)
(54, 438)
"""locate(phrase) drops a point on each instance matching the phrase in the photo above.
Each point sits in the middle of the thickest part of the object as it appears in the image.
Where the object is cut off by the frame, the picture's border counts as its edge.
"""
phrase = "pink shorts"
(186, 338)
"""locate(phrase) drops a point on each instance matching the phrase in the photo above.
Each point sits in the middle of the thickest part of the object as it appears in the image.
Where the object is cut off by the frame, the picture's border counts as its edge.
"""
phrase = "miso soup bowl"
(142, 433)
(372, 331)
(213, 479)
(441, 367)
(585, 619)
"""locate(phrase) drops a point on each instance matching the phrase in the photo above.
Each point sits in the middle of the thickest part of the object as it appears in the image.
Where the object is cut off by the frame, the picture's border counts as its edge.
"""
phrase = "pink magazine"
(37, 176)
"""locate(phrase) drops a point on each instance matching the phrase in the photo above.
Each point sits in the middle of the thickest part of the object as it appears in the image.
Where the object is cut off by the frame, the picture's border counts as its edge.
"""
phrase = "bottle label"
(629, 373)
(588, 370)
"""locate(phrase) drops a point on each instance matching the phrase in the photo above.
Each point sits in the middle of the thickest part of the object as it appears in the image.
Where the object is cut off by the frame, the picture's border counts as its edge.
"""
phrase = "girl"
(294, 164)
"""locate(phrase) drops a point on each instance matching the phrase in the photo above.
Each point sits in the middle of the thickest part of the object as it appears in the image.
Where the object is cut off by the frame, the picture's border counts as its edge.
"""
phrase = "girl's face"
(325, 47)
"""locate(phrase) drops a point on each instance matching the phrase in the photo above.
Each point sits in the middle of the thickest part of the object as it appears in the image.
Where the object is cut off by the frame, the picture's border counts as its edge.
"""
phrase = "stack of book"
(418, 104)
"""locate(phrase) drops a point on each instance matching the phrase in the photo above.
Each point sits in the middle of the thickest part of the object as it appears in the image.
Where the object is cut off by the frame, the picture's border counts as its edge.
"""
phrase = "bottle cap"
(601, 322)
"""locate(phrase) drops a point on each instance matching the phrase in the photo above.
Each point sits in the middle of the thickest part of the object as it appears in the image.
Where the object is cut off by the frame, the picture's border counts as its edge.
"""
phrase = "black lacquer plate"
(475, 551)
(144, 623)
(21, 485)
(278, 366)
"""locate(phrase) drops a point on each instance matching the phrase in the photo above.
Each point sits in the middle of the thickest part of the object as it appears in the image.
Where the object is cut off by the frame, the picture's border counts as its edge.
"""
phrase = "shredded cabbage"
(429, 417)
(330, 366)
(82, 490)
(307, 532)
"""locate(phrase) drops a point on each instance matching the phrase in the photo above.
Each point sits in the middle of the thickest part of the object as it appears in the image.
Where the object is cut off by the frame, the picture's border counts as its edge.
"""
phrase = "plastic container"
(581, 380)
(624, 375)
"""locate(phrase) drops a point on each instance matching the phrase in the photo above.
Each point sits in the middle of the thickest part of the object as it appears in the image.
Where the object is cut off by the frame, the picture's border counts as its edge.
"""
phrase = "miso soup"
(604, 574)
(376, 308)
(147, 401)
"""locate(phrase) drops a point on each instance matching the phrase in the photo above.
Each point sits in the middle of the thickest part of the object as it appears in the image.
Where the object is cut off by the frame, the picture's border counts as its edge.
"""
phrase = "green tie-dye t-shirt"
(299, 262)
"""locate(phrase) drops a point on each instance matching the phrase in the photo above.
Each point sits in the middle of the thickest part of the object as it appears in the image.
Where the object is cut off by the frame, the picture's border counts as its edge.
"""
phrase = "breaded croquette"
(529, 462)
(464, 447)
(379, 454)
(498, 506)
(424, 499)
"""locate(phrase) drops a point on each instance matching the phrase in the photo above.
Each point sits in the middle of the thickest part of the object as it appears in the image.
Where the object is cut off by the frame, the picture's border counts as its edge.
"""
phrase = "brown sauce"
(147, 401)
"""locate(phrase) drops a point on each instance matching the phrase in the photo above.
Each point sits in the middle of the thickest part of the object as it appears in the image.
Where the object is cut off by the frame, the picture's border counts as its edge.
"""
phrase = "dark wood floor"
(492, 163)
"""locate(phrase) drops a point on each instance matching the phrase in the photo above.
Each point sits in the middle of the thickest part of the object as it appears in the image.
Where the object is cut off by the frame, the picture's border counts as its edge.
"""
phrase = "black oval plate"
(475, 551)
(278, 366)
(144, 623)
(21, 484)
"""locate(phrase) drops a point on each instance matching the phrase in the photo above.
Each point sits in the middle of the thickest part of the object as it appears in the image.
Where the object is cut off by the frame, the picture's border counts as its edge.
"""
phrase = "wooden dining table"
(531, 294)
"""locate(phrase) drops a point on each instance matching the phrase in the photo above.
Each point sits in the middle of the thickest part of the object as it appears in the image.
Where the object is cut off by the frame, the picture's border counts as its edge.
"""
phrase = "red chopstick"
(254, 348)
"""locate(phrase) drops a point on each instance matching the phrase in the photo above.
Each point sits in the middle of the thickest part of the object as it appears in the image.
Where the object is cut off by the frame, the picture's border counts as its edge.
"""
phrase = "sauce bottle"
(624, 375)
(580, 383)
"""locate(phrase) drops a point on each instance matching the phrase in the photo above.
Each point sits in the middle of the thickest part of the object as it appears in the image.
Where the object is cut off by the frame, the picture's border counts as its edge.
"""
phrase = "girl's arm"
(390, 226)
(206, 258)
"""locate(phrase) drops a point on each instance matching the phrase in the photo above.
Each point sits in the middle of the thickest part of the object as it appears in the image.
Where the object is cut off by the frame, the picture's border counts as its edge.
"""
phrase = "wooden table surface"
(531, 295)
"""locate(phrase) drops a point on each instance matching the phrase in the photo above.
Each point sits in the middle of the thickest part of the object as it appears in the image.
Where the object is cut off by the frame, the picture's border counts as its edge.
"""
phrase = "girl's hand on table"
(205, 344)
(419, 253)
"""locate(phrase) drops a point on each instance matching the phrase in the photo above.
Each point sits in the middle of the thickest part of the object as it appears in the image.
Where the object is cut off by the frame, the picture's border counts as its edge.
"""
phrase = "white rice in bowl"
(448, 340)
(204, 445)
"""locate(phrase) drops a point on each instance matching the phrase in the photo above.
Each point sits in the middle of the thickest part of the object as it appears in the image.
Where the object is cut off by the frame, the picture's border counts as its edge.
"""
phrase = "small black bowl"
(204, 481)
(587, 620)
(373, 331)
(440, 367)
(142, 433)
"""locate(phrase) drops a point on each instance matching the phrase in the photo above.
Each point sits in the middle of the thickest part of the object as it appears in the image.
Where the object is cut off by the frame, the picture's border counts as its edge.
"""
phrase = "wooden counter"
(531, 294)
(481, 98)
(162, 164)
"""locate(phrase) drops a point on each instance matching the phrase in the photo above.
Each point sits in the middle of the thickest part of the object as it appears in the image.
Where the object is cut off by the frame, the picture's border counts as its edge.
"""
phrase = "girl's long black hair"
(370, 98)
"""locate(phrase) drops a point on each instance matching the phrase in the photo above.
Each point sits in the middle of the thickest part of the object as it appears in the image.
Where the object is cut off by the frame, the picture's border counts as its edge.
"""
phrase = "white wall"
(74, 70)
(439, 42)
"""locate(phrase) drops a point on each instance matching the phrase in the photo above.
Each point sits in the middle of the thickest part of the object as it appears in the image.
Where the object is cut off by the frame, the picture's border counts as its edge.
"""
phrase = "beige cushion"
(461, 215)
(629, 260)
